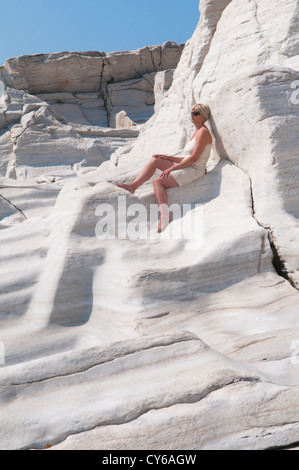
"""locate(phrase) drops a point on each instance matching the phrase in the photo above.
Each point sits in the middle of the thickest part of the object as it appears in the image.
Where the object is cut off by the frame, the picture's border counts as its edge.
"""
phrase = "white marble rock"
(154, 343)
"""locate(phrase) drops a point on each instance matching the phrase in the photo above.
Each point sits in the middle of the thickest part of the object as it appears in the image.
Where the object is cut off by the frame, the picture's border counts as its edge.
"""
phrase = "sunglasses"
(194, 113)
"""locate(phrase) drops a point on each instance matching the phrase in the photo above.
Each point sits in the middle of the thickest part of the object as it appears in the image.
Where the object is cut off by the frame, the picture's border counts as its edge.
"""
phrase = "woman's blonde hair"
(203, 109)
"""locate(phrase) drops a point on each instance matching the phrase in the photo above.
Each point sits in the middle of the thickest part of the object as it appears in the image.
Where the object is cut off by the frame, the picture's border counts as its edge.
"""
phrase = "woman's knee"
(157, 181)
(154, 162)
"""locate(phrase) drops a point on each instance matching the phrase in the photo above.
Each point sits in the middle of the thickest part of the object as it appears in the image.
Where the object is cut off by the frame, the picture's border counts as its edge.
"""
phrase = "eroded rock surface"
(158, 342)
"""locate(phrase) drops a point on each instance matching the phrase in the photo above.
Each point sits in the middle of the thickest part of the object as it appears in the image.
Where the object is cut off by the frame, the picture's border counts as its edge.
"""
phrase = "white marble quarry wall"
(86, 83)
(65, 103)
(149, 343)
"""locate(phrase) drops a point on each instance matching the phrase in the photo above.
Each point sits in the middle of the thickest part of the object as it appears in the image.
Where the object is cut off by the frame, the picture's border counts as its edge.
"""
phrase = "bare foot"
(128, 187)
(163, 226)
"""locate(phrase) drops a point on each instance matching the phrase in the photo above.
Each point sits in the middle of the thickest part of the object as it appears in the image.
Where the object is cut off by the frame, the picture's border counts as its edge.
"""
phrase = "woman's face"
(196, 117)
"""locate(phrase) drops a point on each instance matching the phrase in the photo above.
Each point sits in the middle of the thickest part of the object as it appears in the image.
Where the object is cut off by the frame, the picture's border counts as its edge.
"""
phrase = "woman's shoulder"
(204, 133)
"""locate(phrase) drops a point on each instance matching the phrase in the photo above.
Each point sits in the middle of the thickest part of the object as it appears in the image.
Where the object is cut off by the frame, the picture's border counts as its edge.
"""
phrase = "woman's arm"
(171, 159)
(202, 141)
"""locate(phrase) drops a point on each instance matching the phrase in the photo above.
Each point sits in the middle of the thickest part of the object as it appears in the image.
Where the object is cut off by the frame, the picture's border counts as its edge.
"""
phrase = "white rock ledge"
(128, 343)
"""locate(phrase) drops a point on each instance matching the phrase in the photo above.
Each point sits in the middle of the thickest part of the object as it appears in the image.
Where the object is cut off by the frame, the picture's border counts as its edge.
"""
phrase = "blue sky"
(41, 26)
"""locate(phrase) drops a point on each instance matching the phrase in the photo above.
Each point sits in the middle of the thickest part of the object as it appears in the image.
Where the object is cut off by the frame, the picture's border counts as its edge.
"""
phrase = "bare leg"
(148, 171)
(160, 188)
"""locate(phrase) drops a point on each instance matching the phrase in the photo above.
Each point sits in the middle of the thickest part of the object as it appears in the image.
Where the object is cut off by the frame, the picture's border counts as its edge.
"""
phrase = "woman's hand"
(166, 173)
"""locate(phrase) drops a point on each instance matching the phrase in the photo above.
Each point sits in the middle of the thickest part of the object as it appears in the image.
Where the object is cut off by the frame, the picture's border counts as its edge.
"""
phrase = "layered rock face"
(94, 85)
(62, 104)
(117, 341)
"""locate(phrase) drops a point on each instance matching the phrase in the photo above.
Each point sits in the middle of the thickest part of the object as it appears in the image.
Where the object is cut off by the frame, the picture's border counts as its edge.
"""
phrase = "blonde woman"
(178, 171)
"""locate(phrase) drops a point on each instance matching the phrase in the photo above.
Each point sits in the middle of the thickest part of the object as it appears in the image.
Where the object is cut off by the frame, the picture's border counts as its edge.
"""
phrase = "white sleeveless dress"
(195, 171)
